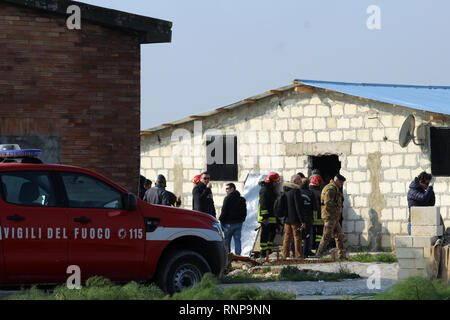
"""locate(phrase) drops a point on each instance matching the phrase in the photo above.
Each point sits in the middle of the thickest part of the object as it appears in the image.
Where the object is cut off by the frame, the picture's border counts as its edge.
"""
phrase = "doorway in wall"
(329, 166)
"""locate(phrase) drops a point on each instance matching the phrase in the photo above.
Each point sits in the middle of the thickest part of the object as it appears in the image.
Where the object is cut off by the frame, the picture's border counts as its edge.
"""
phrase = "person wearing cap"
(331, 201)
(315, 175)
(158, 194)
(266, 215)
(196, 179)
(202, 196)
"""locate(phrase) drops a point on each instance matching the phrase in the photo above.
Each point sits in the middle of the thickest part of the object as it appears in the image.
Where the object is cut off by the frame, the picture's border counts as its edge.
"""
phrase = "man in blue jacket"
(420, 194)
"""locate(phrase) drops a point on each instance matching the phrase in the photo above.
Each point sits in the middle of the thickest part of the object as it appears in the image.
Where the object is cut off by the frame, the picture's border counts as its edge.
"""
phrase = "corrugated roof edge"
(150, 30)
(300, 81)
(219, 109)
(410, 106)
(297, 82)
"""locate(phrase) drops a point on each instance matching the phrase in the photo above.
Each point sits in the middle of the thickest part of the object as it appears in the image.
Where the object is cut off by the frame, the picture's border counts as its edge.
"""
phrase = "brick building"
(335, 127)
(75, 93)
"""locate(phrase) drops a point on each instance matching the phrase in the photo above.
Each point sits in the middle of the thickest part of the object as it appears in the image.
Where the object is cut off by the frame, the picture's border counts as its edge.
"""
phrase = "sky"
(223, 51)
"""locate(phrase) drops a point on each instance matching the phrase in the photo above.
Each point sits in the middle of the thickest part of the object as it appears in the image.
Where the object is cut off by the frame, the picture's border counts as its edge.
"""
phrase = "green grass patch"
(416, 288)
(98, 288)
(379, 257)
(207, 290)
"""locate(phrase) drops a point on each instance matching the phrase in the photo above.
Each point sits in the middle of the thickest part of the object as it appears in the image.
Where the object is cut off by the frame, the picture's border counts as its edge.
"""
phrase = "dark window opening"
(440, 151)
(221, 158)
(329, 166)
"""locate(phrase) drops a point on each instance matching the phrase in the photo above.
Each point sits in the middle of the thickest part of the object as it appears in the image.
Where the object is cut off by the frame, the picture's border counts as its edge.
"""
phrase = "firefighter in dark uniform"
(266, 215)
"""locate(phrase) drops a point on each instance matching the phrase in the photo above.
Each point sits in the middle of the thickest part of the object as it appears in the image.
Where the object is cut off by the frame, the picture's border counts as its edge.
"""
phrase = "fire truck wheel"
(181, 269)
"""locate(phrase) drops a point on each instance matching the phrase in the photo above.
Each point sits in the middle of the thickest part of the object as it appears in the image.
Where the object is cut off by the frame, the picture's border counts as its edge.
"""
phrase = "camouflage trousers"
(332, 228)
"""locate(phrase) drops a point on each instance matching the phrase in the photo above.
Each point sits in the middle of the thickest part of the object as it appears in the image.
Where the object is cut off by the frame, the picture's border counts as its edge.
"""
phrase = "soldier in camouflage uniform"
(331, 201)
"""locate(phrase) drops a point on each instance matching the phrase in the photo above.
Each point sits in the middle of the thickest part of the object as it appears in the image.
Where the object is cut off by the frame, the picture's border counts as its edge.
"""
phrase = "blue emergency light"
(14, 151)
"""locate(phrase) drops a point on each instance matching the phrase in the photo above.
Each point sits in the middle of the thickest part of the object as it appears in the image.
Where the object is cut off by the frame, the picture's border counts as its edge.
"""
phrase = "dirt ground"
(314, 290)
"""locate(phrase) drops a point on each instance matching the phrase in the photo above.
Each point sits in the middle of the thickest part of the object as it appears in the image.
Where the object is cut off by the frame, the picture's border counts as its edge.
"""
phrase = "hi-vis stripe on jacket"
(266, 200)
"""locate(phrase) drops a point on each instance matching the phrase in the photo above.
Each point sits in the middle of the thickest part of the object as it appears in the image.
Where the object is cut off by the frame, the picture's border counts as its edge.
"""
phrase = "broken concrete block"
(430, 231)
(406, 273)
(421, 263)
(409, 253)
(423, 241)
(403, 241)
(425, 216)
(427, 252)
(407, 263)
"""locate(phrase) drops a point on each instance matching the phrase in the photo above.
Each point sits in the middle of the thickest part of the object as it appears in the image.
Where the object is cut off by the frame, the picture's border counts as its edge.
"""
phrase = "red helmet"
(316, 180)
(196, 179)
(272, 177)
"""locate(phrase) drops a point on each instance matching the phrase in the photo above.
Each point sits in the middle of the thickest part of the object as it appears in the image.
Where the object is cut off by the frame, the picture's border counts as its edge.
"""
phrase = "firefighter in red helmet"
(266, 215)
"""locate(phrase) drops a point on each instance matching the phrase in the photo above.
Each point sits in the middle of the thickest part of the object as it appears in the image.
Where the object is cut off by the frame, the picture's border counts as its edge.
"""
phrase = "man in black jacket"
(158, 194)
(234, 212)
(294, 222)
(420, 194)
(202, 197)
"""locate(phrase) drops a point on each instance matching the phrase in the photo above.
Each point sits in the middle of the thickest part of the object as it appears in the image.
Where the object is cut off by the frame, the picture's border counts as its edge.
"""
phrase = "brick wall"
(82, 85)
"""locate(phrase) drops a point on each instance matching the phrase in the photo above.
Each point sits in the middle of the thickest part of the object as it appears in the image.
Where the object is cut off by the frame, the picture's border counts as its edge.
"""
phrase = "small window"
(221, 157)
(84, 191)
(440, 151)
(28, 188)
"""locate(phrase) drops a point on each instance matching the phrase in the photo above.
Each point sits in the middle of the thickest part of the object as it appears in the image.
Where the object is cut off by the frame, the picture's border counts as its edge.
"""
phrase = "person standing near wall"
(294, 222)
(158, 194)
(421, 194)
(331, 200)
(202, 196)
(308, 211)
(315, 185)
(234, 212)
(266, 215)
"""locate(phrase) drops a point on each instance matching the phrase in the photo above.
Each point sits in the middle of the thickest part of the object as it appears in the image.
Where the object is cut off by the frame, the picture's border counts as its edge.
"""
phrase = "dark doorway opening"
(329, 166)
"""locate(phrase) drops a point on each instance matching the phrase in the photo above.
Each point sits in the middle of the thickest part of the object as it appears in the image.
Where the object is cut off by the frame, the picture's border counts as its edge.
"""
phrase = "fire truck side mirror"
(130, 202)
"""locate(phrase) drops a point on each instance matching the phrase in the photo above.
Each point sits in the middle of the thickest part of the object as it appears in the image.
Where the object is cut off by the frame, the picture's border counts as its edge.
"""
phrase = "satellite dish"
(407, 132)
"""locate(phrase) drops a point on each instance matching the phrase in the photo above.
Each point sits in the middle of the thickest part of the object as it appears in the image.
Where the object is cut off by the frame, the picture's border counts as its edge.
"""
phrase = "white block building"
(335, 127)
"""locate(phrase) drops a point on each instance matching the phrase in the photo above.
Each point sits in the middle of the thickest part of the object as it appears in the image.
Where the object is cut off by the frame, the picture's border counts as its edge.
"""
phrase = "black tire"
(180, 269)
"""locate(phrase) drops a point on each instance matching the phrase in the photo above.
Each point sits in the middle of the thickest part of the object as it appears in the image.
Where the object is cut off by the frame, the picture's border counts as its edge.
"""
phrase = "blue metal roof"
(427, 98)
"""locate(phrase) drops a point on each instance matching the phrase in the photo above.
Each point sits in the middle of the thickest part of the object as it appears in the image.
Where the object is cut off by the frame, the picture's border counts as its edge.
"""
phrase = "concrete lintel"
(320, 148)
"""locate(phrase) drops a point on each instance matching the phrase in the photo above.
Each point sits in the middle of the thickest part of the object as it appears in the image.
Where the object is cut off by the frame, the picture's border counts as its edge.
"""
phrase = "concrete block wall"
(280, 132)
(414, 251)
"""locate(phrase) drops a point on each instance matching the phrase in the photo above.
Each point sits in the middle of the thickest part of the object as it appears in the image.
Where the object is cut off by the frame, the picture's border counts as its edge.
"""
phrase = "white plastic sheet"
(251, 194)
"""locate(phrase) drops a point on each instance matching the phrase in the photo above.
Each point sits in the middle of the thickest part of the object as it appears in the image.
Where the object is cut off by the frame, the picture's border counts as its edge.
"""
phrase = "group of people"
(294, 207)
(234, 208)
(158, 194)
(300, 200)
(301, 197)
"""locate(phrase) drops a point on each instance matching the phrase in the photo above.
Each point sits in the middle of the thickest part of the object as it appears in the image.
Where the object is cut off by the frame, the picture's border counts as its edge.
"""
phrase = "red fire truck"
(55, 216)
